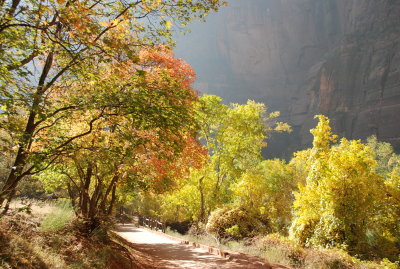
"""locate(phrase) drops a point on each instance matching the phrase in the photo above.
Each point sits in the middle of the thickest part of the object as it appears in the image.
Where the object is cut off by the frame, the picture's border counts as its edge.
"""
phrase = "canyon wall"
(340, 58)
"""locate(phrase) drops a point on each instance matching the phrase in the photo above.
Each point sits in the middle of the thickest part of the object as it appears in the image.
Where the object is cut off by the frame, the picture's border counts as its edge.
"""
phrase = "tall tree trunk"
(14, 177)
(17, 171)
(202, 202)
(217, 187)
(72, 197)
(94, 207)
(110, 188)
(84, 203)
(112, 201)
(7, 204)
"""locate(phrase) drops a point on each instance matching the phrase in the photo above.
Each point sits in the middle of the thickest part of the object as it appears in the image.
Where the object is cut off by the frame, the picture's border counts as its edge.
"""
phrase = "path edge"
(229, 255)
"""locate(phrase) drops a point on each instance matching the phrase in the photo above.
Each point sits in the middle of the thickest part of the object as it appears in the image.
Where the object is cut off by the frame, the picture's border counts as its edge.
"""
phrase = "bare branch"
(24, 61)
(46, 126)
(70, 178)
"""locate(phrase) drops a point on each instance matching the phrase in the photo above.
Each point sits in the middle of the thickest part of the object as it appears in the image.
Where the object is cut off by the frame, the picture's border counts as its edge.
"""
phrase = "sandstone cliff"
(304, 57)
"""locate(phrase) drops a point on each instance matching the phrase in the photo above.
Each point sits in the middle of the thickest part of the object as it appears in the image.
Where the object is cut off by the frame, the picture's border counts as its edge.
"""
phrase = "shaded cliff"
(304, 57)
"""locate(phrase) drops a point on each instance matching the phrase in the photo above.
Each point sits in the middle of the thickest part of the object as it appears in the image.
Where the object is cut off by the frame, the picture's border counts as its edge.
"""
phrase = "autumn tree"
(339, 203)
(388, 167)
(103, 163)
(147, 137)
(387, 159)
(234, 136)
(50, 55)
(267, 191)
(262, 199)
(390, 218)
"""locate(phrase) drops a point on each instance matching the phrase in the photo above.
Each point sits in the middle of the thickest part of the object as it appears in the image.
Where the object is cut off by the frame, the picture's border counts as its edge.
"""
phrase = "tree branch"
(24, 61)
(82, 134)
(52, 115)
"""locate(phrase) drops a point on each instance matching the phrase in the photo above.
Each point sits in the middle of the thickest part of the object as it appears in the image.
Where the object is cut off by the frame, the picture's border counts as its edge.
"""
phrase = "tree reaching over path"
(50, 55)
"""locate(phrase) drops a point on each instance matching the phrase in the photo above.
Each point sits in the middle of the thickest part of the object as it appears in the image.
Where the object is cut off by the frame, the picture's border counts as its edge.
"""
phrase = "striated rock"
(357, 81)
(305, 57)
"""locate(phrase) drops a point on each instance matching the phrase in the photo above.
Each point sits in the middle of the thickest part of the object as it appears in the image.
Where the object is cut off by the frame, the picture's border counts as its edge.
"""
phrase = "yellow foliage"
(268, 189)
(339, 202)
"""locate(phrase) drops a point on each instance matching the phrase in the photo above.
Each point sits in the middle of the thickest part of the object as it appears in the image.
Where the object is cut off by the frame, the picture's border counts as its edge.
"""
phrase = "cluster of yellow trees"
(342, 200)
(337, 194)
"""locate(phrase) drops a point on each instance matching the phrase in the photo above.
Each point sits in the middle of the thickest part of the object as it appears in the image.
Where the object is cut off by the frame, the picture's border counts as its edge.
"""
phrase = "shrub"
(279, 249)
(199, 229)
(181, 227)
(235, 222)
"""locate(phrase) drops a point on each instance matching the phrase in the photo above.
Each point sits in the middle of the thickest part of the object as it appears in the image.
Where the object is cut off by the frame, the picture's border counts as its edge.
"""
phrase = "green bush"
(235, 222)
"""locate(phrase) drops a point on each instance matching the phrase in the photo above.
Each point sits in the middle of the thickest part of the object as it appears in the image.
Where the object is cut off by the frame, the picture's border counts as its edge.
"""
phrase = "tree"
(388, 167)
(52, 57)
(150, 138)
(267, 191)
(234, 136)
(339, 203)
(387, 159)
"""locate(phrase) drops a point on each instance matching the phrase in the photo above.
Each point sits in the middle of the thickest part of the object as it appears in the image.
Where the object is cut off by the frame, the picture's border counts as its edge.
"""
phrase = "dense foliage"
(95, 107)
(337, 194)
(233, 136)
(69, 68)
(340, 203)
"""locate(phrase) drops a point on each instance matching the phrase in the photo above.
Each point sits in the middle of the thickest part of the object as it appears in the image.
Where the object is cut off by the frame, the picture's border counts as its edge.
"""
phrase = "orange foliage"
(163, 58)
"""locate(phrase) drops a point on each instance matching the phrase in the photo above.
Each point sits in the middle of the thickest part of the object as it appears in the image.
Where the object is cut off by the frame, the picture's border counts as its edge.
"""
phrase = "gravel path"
(153, 250)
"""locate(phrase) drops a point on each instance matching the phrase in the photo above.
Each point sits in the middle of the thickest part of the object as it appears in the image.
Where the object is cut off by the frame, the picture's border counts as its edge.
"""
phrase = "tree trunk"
(110, 188)
(202, 202)
(17, 172)
(112, 202)
(84, 193)
(14, 177)
(94, 202)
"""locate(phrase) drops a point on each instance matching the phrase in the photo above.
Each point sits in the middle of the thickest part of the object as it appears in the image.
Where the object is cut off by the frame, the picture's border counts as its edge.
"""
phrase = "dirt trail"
(153, 250)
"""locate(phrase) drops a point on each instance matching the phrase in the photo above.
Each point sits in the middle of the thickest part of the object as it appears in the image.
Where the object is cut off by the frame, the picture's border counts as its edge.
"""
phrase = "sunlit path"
(158, 251)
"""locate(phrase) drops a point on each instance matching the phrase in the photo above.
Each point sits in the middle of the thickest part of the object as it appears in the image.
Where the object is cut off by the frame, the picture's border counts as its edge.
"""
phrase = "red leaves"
(159, 163)
(163, 58)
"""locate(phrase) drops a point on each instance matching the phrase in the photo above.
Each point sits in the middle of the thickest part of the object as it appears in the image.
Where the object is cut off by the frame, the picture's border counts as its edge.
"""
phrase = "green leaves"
(234, 136)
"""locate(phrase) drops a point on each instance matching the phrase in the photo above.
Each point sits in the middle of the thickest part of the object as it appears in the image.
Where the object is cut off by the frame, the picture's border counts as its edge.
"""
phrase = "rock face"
(340, 58)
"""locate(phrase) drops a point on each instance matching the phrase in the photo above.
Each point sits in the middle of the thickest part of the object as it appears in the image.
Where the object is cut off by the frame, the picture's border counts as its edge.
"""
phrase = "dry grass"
(57, 219)
(24, 243)
(277, 249)
(38, 209)
(205, 239)
(281, 250)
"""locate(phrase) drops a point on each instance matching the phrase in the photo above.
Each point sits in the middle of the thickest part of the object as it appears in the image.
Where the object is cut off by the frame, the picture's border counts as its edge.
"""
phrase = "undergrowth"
(59, 218)
(279, 250)
(52, 241)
